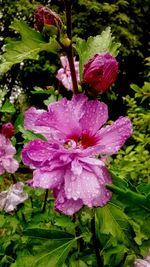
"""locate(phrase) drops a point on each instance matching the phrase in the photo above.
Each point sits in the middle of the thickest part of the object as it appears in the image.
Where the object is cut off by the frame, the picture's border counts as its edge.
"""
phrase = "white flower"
(11, 198)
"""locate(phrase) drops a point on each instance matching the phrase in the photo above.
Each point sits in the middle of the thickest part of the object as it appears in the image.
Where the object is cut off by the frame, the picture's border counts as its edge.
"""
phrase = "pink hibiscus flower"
(7, 152)
(64, 74)
(66, 162)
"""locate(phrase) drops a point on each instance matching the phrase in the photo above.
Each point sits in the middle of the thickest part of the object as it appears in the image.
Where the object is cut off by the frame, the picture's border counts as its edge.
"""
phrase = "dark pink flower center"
(84, 141)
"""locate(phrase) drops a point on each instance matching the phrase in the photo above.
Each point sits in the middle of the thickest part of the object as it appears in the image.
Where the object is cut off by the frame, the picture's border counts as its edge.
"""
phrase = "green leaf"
(50, 99)
(65, 222)
(135, 87)
(8, 107)
(47, 234)
(98, 44)
(19, 121)
(117, 224)
(39, 90)
(29, 135)
(131, 197)
(48, 248)
(31, 43)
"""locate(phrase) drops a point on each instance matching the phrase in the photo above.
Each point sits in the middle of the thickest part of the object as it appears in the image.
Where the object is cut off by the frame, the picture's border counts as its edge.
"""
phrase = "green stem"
(68, 18)
(95, 243)
(45, 200)
(13, 178)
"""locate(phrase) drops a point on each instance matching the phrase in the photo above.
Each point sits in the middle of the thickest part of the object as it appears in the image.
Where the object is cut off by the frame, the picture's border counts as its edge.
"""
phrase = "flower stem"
(68, 18)
(69, 50)
(45, 200)
(95, 243)
(13, 178)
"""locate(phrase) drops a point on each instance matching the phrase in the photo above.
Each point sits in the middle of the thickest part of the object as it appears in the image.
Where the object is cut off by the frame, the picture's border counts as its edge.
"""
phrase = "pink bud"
(8, 130)
(100, 72)
(46, 17)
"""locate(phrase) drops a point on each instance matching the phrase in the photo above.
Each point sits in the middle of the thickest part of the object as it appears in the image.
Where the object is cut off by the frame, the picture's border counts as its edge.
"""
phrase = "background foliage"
(38, 237)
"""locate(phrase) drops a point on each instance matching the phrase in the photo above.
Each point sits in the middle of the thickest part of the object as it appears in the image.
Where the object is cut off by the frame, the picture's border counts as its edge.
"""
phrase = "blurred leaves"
(28, 47)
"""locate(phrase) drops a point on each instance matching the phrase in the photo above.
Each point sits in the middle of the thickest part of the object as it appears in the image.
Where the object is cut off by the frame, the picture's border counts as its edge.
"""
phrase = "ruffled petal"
(6, 145)
(113, 137)
(104, 178)
(13, 197)
(95, 115)
(37, 152)
(30, 122)
(82, 182)
(65, 115)
(10, 165)
(141, 263)
(48, 179)
(64, 205)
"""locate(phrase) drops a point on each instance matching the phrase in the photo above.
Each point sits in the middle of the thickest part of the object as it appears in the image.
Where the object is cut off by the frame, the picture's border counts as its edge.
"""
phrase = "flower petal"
(95, 115)
(64, 205)
(66, 114)
(30, 118)
(87, 185)
(13, 197)
(48, 179)
(113, 137)
(36, 152)
(141, 263)
(10, 165)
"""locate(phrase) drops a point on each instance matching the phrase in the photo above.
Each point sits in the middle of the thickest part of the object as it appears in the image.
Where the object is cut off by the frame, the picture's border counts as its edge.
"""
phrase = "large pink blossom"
(64, 74)
(66, 162)
(7, 152)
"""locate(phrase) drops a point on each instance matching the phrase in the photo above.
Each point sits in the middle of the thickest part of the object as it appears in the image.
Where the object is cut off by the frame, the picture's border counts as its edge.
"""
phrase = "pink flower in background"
(143, 263)
(11, 198)
(66, 162)
(8, 130)
(100, 72)
(7, 152)
(64, 74)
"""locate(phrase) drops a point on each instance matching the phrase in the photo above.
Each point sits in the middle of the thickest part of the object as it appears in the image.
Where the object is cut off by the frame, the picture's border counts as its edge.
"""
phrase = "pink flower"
(46, 17)
(11, 198)
(143, 263)
(100, 72)
(64, 74)
(66, 162)
(7, 152)
(8, 130)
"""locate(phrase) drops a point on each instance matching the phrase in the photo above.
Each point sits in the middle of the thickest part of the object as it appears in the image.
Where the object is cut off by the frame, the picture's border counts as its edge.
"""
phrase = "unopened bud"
(100, 72)
(45, 17)
(8, 130)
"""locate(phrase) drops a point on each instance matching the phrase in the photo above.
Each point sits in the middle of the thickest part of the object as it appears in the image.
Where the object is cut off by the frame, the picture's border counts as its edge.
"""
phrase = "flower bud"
(45, 17)
(100, 72)
(8, 130)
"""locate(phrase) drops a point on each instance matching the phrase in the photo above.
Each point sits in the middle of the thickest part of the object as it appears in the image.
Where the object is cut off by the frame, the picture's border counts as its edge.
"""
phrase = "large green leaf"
(45, 248)
(97, 44)
(47, 234)
(28, 47)
(111, 220)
